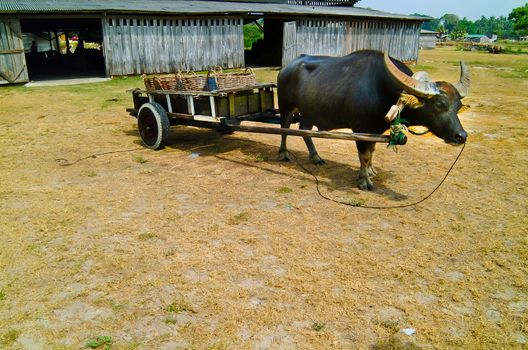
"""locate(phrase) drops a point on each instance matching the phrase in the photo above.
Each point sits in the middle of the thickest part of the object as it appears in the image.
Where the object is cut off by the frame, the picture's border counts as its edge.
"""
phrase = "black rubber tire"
(153, 125)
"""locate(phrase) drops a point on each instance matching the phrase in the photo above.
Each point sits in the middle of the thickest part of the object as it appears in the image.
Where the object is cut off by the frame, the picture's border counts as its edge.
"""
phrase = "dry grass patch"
(239, 218)
(9, 337)
(180, 305)
(112, 245)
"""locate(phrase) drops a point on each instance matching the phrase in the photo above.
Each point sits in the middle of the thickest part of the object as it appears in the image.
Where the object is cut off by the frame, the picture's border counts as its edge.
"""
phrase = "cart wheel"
(153, 125)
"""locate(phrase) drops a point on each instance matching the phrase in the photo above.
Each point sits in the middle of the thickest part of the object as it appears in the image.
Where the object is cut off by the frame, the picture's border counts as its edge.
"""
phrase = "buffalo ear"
(464, 108)
(411, 101)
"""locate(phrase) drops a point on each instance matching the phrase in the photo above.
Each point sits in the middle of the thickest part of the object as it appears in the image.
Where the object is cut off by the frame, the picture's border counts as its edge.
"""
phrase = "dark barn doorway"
(63, 48)
(267, 49)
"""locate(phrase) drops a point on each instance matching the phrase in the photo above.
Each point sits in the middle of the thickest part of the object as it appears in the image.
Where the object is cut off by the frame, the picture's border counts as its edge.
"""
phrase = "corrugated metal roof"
(188, 7)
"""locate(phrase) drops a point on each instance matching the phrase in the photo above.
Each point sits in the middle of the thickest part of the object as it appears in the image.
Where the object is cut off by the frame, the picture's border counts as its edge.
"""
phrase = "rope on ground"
(360, 205)
(65, 162)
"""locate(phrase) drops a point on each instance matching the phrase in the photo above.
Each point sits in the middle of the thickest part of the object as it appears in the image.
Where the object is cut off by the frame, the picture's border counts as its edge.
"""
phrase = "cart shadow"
(333, 176)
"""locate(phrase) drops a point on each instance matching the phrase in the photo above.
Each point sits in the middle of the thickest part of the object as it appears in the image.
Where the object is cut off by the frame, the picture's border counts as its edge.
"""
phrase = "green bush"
(252, 33)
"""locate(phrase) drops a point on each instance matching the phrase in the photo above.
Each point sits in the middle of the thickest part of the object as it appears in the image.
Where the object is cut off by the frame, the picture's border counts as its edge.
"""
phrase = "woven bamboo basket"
(176, 82)
(233, 80)
(164, 82)
(199, 82)
(191, 82)
(149, 82)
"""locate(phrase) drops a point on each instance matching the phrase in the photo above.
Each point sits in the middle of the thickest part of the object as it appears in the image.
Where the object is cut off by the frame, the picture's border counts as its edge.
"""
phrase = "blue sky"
(472, 9)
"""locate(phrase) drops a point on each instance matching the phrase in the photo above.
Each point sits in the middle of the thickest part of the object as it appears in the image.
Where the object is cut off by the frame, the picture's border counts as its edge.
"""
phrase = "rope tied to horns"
(397, 123)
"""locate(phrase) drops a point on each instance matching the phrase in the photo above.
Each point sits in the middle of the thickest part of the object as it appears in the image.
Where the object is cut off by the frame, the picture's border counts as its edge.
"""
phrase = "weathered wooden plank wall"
(400, 39)
(289, 42)
(161, 45)
(321, 37)
(12, 58)
(338, 38)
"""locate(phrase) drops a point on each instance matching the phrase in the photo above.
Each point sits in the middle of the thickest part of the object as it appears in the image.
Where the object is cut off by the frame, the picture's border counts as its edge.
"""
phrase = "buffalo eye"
(441, 105)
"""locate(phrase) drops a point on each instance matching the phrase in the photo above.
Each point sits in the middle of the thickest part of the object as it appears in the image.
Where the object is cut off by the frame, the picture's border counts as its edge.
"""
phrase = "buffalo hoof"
(284, 156)
(365, 185)
(317, 160)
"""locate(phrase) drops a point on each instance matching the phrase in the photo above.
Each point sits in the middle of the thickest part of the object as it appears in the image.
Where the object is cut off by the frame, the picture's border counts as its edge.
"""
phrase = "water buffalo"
(356, 91)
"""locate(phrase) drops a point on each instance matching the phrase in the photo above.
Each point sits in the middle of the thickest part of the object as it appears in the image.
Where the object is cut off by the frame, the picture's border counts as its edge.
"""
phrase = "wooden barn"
(61, 38)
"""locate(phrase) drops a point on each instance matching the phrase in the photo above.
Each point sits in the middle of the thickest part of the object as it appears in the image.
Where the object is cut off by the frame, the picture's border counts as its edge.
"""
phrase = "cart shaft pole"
(311, 133)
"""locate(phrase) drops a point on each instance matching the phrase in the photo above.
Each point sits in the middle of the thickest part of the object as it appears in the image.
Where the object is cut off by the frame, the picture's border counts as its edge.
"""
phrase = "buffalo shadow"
(333, 176)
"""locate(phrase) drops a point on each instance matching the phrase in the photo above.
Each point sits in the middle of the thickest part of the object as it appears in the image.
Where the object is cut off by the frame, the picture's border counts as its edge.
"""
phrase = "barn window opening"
(63, 48)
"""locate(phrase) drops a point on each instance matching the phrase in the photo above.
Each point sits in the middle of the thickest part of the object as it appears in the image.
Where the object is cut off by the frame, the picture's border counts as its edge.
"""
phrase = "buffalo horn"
(465, 80)
(410, 84)
(422, 76)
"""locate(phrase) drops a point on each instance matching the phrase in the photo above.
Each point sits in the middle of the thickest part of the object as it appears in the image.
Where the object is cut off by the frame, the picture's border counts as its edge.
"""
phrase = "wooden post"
(57, 42)
(213, 106)
(169, 103)
(67, 43)
(50, 40)
(261, 99)
(232, 111)
(190, 104)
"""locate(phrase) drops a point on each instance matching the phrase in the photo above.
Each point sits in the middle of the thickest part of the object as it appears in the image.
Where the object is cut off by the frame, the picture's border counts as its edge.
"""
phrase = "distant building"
(523, 38)
(428, 39)
(481, 39)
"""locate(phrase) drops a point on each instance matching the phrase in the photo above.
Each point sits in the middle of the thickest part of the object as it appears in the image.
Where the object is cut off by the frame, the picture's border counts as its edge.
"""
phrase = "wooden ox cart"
(223, 110)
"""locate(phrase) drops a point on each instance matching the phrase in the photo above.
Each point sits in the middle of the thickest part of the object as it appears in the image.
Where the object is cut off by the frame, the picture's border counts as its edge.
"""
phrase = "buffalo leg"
(314, 156)
(365, 152)
(286, 120)
(371, 171)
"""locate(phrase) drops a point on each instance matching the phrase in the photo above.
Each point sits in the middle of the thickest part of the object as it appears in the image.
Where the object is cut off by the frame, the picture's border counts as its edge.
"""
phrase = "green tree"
(458, 34)
(481, 25)
(466, 25)
(519, 17)
(501, 26)
(431, 24)
(449, 21)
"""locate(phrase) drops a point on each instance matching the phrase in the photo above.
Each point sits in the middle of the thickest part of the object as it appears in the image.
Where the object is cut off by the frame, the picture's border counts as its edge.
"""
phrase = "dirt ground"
(211, 243)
